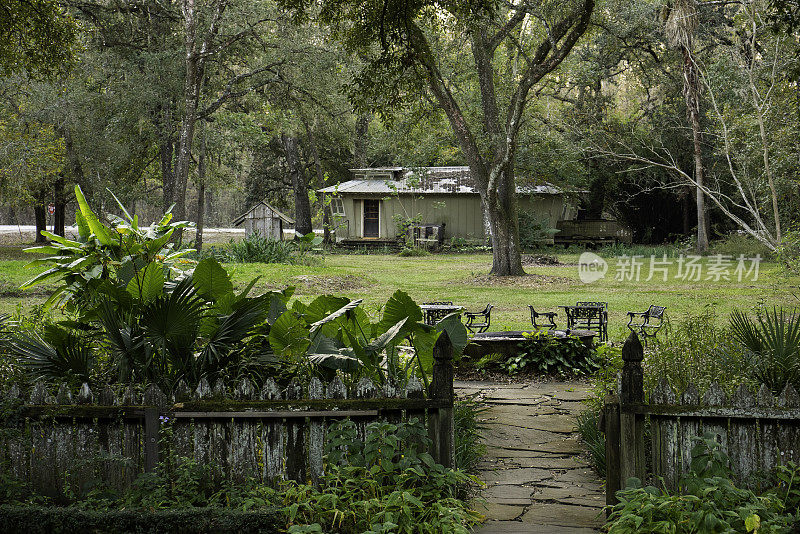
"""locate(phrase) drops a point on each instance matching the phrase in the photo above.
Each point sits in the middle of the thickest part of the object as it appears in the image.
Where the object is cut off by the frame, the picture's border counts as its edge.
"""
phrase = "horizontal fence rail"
(269, 435)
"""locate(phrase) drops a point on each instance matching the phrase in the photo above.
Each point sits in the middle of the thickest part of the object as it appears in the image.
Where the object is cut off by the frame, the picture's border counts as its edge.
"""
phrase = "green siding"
(461, 214)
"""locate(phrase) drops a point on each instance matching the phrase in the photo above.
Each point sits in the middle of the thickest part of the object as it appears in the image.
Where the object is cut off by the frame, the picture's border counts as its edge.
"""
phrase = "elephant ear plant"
(155, 316)
(334, 333)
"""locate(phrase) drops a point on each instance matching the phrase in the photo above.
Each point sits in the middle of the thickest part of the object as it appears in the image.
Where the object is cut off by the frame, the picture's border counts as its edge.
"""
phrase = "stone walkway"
(536, 479)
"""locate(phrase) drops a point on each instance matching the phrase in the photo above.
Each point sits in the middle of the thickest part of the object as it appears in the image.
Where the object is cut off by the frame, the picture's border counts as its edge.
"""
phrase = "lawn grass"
(463, 279)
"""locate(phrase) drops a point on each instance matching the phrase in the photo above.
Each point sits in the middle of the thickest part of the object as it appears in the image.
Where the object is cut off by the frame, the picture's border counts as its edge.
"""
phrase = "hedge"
(68, 520)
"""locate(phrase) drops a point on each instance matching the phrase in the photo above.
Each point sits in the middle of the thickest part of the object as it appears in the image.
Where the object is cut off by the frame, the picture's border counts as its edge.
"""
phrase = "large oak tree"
(415, 47)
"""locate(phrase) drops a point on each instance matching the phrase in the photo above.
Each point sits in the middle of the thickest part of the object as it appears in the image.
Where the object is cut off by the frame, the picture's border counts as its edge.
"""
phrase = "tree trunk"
(362, 130)
(504, 227)
(40, 214)
(302, 206)
(61, 205)
(326, 219)
(166, 149)
(691, 89)
(201, 192)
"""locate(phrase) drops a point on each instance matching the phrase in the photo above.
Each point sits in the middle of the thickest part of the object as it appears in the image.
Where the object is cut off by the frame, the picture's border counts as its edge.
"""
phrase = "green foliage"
(695, 349)
(469, 449)
(37, 37)
(534, 231)
(736, 245)
(156, 322)
(413, 252)
(382, 483)
(67, 520)
(773, 339)
(706, 502)
(106, 259)
(587, 424)
(259, 249)
(334, 333)
(544, 353)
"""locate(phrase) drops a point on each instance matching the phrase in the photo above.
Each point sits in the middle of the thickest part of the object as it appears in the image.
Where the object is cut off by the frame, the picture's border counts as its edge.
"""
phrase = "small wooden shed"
(265, 220)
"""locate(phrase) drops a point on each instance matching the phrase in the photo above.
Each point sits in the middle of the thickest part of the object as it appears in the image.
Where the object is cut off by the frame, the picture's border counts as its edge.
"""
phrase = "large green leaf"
(324, 305)
(336, 314)
(211, 279)
(387, 338)
(343, 360)
(455, 330)
(400, 306)
(98, 229)
(288, 336)
(147, 283)
(83, 227)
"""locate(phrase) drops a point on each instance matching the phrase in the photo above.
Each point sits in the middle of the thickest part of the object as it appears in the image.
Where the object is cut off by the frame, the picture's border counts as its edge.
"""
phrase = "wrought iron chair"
(434, 316)
(550, 316)
(591, 316)
(479, 321)
(649, 323)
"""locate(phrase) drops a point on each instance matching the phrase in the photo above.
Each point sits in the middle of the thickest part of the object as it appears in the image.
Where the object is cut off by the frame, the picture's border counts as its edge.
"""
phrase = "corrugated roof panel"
(428, 180)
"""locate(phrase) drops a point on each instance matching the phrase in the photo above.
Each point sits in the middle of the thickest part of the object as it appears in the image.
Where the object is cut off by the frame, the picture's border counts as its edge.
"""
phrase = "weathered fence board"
(268, 435)
(757, 433)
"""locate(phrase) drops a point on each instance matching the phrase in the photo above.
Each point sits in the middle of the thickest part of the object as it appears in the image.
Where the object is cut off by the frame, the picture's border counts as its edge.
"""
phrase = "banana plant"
(118, 254)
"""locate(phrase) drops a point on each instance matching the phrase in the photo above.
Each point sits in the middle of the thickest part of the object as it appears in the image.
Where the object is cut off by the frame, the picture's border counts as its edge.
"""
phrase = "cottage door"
(371, 217)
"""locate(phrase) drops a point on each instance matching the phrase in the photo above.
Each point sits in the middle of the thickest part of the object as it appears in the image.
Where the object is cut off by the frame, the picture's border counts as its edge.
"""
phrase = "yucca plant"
(774, 338)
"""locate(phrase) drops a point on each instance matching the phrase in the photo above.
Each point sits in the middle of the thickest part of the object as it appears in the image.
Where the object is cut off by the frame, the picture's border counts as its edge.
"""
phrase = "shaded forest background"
(211, 105)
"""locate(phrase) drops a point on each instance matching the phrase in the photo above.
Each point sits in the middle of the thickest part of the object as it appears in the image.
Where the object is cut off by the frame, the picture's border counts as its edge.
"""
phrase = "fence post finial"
(632, 371)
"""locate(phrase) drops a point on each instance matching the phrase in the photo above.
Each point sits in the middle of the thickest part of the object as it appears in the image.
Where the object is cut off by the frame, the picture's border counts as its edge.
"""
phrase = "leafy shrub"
(544, 353)
(413, 252)
(736, 245)
(469, 449)
(256, 248)
(382, 483)
(260, 249)
(697, 350)
(534, 231)
(773, 339)
(106, 257)
(706, 501)
(788, 253)
(68, 520)
(587, 424)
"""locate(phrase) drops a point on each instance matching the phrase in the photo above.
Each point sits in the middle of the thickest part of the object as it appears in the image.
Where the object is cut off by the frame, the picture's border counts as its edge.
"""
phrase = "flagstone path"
(535, 469)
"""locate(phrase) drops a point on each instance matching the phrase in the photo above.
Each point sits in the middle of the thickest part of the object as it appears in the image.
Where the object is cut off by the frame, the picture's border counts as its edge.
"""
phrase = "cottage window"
(337, 206)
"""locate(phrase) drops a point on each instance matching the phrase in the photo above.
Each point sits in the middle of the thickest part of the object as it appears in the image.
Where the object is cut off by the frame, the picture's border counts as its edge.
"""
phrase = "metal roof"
(448, 180)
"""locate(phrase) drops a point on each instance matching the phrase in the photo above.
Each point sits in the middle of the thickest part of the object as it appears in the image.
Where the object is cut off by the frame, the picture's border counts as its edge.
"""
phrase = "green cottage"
(442, 201)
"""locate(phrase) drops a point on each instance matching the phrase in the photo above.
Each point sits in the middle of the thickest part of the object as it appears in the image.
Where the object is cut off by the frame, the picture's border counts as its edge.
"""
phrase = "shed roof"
(452, 180)
(240, 219)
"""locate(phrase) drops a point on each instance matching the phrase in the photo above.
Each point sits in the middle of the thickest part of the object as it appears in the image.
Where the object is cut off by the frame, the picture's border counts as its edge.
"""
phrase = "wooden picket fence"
(269, 435)
(757, 432)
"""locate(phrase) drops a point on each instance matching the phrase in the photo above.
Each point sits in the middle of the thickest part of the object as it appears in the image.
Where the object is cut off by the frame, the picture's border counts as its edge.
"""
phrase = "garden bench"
(649, 323)
(550, 316)
(590, 316)
(479, 321)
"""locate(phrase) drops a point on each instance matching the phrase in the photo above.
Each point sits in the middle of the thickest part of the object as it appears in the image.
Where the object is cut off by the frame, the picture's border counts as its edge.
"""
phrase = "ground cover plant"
(543, 353)
(383, 482)
(707, 501)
